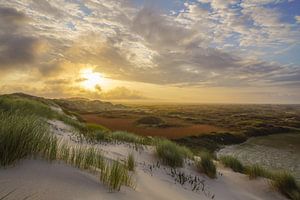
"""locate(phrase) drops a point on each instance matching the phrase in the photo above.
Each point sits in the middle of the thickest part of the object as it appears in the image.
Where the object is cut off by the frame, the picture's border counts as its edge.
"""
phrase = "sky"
(179, 51)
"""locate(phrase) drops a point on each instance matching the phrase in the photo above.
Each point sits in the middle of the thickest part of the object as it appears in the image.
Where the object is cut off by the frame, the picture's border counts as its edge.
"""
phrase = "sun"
(91, 79)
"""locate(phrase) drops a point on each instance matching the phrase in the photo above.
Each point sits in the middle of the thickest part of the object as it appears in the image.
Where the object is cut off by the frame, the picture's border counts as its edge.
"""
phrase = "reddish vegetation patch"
(129, 124)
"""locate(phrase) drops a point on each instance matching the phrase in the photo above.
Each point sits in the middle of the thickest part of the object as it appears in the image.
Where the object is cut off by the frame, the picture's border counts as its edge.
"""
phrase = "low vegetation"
(212, 141)
(282, 181)
(98, 133)
(254, 171)
(130, 162)
(35, 106)
(24, 133)
(114, 175)
(206, 165)
(171, 153)
(233, 163)
(286, 184)
(22, 137)
(150, 121)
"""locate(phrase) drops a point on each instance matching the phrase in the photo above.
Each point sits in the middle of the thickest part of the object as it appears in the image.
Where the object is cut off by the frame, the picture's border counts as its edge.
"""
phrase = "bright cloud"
(205, 43)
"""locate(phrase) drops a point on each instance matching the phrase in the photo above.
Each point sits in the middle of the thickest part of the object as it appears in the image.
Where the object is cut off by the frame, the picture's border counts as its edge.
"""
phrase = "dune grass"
(26, 106)
(286, 184)
(130, 162)
(97, 127)
(98, 133)
(254, 171)
(206, 165)
(27, 136)
(24, 136)
(114, 175)
(171, 153)
(233, 163)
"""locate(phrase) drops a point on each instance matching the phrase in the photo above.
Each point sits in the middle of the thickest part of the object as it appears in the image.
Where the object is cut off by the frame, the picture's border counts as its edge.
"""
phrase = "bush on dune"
(96, 132)
(256, 170)
(206, 165)
(114, 175)
(171, 153)
(233, 163)
(286, 184)
(97, 127)
(125, 136)
(130, 162)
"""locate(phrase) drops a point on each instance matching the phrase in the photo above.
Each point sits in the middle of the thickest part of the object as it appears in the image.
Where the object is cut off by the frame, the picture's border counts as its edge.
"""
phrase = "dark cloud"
(16, 49)
(98, 88)
(119, 42)
(121, 93)
(58, 81)
(11, 20)
(47, 8)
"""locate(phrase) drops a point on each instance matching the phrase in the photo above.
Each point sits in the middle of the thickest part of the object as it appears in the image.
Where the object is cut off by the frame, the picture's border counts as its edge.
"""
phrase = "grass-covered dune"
(25, 134)
(284, 182)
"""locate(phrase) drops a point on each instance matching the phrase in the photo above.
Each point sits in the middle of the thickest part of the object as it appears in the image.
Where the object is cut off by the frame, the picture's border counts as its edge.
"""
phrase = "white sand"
(43, 180)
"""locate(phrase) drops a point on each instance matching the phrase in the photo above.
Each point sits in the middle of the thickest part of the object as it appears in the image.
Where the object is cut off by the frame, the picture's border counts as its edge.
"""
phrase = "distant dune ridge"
(75, 173)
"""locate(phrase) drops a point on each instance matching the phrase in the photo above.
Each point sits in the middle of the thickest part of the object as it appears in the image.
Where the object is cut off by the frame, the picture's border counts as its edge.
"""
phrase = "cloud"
(297, 18)
(16, 49)
(46, 7)
(207, 43)
(98, 88)
(122, 93)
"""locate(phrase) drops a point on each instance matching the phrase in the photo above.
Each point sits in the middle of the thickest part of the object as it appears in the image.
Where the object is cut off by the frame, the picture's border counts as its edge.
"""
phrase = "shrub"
(150, 120)
(206, 165)
(130, 162)
(255, 171)
(97, 136)
(286, 184)
(97, 127)
(171, 153)
(125, 136)
(233, 163)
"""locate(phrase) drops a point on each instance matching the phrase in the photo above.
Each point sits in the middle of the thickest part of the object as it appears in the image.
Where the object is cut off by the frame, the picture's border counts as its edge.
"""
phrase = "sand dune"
(38, 179)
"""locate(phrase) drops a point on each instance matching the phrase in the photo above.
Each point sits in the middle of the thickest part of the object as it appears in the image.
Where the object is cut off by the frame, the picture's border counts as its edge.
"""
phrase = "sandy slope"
(39, 179)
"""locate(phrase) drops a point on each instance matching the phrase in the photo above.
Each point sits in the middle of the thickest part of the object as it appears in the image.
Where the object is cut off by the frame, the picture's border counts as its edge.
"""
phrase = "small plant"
(125, 136)
(130, 162)
(206, 165)
(89, 158)
(255, 171)
(97, 127)
(171, 153)
(286, 184)
(233, 163)
(115, 175)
